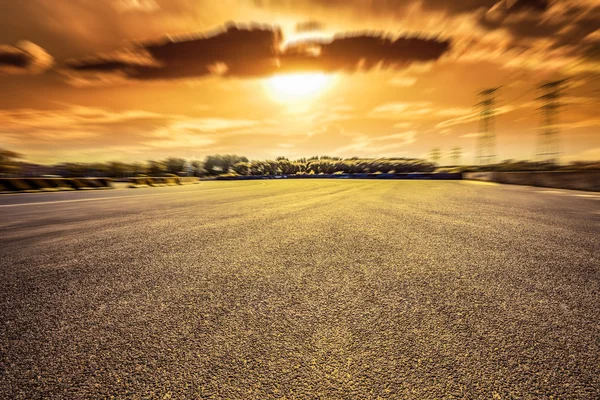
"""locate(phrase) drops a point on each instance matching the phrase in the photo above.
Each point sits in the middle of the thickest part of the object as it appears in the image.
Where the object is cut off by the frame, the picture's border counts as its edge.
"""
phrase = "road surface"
(301, 289)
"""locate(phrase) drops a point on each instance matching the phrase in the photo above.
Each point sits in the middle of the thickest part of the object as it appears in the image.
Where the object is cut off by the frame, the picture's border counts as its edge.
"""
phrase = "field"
(354, 289)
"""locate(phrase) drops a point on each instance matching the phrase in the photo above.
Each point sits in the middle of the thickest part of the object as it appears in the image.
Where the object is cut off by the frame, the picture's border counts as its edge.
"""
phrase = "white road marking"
(571, 193)
(121, 197)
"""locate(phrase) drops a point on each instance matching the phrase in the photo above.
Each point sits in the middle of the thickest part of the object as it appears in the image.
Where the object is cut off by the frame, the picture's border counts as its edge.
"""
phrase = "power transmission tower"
(456, 154)
(435, 154)
(486, 141)
(548, 146)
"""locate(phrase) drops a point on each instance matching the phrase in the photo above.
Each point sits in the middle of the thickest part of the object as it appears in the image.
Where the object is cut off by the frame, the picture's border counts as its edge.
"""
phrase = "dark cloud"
(383, 7)
(565, 23)
(362, 51)
(519, 5)
(562, 22)
(236, 50)
(255, 51)
(24, 58)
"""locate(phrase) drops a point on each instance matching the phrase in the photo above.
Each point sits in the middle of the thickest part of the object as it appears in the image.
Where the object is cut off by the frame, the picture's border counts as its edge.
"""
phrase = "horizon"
(173, 79)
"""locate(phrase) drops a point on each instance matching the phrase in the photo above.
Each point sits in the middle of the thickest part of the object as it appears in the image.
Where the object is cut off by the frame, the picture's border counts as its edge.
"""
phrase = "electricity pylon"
(456, 154)
(435, 155)
(486, 141)
(548, 146)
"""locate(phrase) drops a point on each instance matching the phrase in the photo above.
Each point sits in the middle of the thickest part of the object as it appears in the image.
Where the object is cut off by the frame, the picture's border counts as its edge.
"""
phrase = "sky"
(133, 80)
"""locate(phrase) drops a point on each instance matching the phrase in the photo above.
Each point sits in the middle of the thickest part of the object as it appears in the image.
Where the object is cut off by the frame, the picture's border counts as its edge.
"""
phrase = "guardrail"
(576, 180)
(154, 181)
(91, 183)
(32, 185)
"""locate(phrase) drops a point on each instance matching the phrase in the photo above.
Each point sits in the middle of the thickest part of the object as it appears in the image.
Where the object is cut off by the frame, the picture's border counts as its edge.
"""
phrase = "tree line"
(231, 164)
(215, 165)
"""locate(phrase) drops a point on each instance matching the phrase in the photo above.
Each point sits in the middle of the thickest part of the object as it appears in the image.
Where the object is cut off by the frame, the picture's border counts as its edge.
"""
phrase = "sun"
(297, 87)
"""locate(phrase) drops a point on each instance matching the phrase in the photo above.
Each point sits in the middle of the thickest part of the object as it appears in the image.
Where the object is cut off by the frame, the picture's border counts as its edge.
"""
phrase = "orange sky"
(138, 79)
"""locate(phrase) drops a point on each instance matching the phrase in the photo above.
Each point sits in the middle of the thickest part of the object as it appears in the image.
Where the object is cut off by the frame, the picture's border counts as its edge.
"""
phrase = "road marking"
(122, 197)
(589, 196)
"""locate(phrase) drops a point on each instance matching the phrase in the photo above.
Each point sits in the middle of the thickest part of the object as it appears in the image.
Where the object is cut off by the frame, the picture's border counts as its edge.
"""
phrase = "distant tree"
(137, 168)
(156, 167)
(257, 167)
(198, 168)
(118, 169)
(221, 163)
(8, 162)
(175, 165)
(242, 168)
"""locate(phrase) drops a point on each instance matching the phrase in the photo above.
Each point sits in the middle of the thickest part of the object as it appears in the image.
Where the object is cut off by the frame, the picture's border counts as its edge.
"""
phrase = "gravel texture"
(303, 289)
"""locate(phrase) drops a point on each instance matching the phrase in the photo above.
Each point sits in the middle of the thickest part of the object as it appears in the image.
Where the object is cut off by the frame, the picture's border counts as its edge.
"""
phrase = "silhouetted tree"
(8, 162)
(221, 163)
(174, 165)
(156, 167)
(198, 168)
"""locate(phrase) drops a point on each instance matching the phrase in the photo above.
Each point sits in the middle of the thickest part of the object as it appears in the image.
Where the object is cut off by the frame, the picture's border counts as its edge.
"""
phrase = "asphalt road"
(301, 289)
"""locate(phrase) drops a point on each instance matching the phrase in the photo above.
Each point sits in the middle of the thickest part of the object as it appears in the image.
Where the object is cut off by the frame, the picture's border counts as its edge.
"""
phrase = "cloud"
(380, 8)
(404, 138)
(490, 28)
(592, 154)
(404, 125)
(24, 58)
(378, 146)
(403, 81)
(361, 51)
(309, 26)
(398, 110)
(563, 23)
(251, 51)
(416, 109)
(74, 132)
(472, 117)
(234, 51)
(214, 124)
(61, 122)
(585, 123)
(136, 5)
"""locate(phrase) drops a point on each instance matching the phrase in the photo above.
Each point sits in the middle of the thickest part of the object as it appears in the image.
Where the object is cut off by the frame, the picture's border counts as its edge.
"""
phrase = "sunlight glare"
(295, 87)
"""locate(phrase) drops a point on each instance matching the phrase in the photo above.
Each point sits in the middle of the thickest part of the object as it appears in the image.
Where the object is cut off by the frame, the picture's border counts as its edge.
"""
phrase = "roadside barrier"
(105, 182)
(188, 180)
(42, 184)
(164, 181)
(91, 183)
(60, 184)
(158, 181)
(139, 182)
(575, 180)
(12, 185)
(32, 185)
